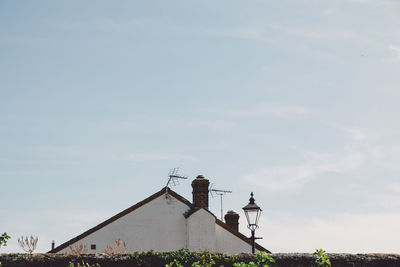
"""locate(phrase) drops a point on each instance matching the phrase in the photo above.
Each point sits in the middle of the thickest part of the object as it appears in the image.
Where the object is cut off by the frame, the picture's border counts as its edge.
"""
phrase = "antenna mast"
(173, 178)
(220, 193)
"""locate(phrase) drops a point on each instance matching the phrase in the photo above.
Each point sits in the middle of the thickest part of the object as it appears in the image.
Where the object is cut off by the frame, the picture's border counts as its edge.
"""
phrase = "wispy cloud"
(386, 156)
(362, 1)
(329, 12)
(313, 165)
(375, 2)
(68, 151)
(152, 156)
(396, 50)
(355, 134)
(100, 24)
(249, 33)
(274, 111)
(267, 111)
(30, 173)
(86, 153)
(362, 150)
(263, 34)
(215, 125)
(320, 34)
(395, 188)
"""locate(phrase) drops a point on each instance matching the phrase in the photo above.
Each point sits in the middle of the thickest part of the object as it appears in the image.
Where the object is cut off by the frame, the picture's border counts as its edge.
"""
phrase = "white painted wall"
(158, 225)
(229, 243)
(201, 231)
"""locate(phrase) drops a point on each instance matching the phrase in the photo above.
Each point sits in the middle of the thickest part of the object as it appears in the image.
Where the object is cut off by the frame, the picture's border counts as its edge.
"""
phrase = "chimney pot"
(232, 220)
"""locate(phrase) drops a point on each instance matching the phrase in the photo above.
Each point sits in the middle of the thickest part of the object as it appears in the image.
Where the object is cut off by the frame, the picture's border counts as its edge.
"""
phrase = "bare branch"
(28, 244)
(116, 249)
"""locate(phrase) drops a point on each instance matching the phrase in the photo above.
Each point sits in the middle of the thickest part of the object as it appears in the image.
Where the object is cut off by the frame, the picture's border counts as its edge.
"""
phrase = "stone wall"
(154, 259)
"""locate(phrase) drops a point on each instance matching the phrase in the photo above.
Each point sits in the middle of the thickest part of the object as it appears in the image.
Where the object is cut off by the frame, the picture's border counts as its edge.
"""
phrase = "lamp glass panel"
(252, 216)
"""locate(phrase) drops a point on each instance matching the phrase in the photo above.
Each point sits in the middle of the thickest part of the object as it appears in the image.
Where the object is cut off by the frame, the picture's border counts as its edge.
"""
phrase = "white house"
(165, 221)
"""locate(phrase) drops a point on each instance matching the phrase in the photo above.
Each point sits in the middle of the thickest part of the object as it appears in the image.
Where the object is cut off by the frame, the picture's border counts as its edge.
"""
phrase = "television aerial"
(173, 178)
(220, 193)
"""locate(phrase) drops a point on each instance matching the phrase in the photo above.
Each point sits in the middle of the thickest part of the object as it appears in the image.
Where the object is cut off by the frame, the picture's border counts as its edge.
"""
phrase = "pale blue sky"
(296, 100)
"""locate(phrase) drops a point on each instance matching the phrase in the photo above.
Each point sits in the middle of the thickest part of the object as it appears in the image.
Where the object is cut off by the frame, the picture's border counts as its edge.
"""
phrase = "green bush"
(3, 241)
(261, 260)
(175, 263)
(322, 260)
(208, 259)
(84, 264)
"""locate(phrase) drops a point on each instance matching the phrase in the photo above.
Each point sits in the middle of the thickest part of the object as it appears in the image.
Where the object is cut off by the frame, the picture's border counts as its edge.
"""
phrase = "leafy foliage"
(3, 239)
(84, 264)
(174, 263)
(261, 260)
(322, 260)
(208, 259)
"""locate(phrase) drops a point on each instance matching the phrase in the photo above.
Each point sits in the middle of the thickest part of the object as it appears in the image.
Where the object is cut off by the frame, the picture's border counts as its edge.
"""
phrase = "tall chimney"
(200, 192)
(53, 245)
(232, 220)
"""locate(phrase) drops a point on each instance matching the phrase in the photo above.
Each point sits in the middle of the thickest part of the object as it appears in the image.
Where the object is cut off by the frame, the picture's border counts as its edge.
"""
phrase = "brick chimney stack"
(200, 191)
(232, 220)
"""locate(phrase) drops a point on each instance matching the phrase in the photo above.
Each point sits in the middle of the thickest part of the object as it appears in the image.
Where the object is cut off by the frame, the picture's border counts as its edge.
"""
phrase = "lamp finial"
(251, 200)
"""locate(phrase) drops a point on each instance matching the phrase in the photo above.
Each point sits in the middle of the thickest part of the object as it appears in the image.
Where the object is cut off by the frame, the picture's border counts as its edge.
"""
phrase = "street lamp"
(252, 212)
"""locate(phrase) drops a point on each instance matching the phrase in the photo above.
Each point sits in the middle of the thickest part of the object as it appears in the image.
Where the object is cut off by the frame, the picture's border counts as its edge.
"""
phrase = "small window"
(92, 246)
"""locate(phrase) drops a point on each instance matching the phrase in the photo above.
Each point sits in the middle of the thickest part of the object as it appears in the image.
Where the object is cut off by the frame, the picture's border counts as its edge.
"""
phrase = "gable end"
(119, 215)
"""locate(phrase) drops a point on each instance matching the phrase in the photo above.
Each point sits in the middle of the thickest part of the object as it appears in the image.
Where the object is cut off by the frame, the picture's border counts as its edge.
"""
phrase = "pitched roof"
(143, 202)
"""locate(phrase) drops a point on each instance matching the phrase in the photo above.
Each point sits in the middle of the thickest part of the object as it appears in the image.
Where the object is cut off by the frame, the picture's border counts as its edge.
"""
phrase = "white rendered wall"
(201, 231)
(158, 225)
(229, 243)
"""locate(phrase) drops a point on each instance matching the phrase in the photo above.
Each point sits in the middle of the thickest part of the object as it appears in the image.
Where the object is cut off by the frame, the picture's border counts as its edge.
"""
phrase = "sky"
(297, 101)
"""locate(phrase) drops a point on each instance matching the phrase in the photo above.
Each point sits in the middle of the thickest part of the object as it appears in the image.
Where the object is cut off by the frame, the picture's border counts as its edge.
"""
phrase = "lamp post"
(252, 211)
